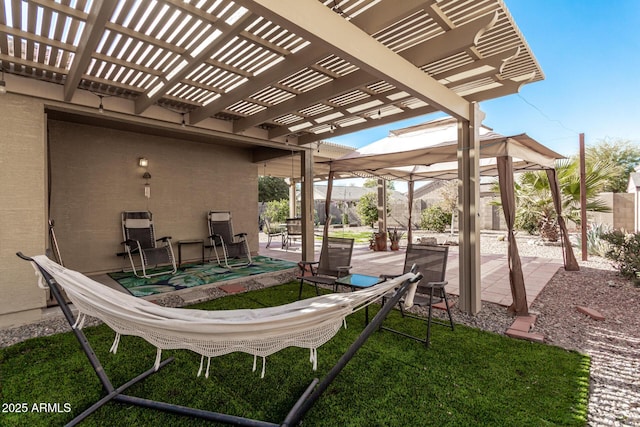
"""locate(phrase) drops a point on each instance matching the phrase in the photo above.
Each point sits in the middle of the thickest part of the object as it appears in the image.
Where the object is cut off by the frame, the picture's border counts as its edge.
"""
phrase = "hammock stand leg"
(115, 394)
(304, 404)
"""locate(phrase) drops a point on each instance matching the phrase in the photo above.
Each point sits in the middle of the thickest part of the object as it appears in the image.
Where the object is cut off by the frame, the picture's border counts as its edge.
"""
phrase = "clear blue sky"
(589, 52)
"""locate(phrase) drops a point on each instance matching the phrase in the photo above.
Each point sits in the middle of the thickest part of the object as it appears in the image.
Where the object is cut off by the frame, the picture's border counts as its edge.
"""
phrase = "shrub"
(624, 251)
(277, 210)
(368, 208)
(435, 218)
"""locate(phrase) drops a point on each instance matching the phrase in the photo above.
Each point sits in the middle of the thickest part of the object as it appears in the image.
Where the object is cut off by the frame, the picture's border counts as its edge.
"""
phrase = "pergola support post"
(468, 210)
(307, 208)
(327, 207)
(292, 198)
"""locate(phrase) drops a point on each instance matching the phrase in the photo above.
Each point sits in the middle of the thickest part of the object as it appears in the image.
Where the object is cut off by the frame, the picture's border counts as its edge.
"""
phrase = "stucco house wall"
(23, 207)
(94, 176)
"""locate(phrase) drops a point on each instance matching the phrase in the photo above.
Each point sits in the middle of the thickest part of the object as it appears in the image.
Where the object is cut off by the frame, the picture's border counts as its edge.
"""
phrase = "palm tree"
(535, 211)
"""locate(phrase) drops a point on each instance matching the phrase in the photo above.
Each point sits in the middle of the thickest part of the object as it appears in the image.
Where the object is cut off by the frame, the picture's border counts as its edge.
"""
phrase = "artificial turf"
(466, 377)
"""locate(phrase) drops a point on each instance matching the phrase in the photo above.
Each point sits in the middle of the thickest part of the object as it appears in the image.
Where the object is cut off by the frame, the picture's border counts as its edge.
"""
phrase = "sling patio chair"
(224, 243)
(140, 243)
(272, 232)
(431, 263)
(334, 263)
(293, 232)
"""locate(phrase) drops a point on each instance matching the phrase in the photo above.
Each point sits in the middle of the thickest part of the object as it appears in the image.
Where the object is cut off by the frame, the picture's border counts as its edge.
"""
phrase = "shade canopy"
(430, 150)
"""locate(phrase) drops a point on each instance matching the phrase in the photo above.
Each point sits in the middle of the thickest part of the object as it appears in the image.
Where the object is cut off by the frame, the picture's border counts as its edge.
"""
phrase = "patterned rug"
(191, 275)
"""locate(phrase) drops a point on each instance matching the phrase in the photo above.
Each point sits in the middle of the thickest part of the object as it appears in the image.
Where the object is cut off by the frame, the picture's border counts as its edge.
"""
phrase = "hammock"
(307, 323)
(260, 332)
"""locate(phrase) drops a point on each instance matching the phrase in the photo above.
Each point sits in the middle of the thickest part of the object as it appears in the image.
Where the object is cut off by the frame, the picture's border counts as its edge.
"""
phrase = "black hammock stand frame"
(304, 403)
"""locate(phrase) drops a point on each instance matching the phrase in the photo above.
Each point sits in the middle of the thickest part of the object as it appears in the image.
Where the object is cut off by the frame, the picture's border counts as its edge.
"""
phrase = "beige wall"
(22, 206)
(95, 176)
(621, 215)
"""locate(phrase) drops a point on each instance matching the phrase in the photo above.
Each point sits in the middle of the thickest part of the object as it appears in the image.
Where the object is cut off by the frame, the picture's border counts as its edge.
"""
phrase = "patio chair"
(271, 232)
(140, 242)
(334, 261)
(293, 232)
(431, 262)
(222, 238)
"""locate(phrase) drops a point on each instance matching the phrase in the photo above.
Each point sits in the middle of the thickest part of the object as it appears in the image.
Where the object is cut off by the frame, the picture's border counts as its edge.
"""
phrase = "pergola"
(429, 151)
(274, 75)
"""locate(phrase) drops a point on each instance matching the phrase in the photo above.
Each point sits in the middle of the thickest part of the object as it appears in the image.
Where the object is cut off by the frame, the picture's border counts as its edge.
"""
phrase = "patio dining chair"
(431, 262)
(293, 232)
(334, 263)
(224, 243)
(272, 232)
(140, 243)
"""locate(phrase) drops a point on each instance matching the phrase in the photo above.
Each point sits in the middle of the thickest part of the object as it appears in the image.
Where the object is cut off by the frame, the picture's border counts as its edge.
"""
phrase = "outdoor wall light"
(100, 107)
(143, 162)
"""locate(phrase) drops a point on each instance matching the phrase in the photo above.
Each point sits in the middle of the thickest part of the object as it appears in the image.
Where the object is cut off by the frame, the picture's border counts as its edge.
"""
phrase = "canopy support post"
(382, 205)
(516, 279)
(409, 225)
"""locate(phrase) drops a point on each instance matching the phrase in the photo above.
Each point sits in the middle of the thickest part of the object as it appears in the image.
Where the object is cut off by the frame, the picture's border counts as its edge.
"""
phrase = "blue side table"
(360, 281)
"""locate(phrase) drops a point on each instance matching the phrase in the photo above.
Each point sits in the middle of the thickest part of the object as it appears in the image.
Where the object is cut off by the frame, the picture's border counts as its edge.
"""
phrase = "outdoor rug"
(191, 275)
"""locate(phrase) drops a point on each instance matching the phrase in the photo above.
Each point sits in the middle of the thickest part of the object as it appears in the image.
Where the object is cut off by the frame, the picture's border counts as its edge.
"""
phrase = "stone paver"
(494, 269)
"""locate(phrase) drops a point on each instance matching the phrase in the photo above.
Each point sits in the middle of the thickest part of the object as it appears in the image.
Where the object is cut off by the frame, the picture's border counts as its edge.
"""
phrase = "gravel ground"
(613, 344)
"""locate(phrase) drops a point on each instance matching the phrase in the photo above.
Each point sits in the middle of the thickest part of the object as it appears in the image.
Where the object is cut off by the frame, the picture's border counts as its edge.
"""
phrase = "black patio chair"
(221, 237)
(334, 263)
(431, 262)
(140, 242)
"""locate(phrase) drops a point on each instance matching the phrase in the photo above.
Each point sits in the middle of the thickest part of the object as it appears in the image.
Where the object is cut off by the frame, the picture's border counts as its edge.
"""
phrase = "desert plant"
(435, 218)
(534, 204)
(596, 245)
(624, 251)
(395, 235)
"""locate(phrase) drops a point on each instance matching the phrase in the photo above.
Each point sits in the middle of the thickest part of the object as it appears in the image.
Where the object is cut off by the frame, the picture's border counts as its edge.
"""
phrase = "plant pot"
(395, 245)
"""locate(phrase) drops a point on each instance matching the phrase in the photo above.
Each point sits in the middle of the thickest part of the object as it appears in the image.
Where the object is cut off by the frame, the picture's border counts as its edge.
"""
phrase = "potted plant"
(394, 237)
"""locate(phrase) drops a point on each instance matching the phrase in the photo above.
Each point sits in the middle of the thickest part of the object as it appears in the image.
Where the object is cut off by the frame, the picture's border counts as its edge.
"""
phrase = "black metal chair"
(221, 237)
(140, 242)
(431, 262)
(293, 232)
(334, 263)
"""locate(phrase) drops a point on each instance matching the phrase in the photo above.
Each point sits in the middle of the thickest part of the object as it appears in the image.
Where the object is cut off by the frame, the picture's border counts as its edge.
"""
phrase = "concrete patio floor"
(494, 269)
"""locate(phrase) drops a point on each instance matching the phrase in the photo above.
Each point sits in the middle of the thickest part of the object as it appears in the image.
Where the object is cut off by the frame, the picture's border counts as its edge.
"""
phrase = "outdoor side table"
(360, 281)
(182, 243)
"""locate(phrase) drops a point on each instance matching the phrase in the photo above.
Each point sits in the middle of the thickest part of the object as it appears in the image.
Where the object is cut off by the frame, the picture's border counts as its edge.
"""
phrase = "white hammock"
(260, 332)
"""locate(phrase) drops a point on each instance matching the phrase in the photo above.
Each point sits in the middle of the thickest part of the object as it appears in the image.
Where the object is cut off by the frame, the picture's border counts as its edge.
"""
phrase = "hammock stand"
(304, 403)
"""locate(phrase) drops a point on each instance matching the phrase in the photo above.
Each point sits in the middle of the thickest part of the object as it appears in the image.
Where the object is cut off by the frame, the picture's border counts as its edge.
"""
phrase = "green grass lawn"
(358, 236)
(467, 377)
